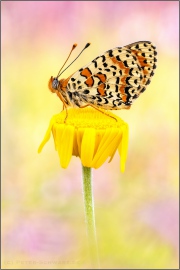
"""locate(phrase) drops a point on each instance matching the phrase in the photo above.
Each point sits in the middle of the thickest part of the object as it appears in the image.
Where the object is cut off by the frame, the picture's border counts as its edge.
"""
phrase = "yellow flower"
(88, 134)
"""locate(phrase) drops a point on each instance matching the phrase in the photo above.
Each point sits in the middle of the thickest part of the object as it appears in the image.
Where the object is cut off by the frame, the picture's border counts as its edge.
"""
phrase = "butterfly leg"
(66, 113)
(89, 104)
(64, 104)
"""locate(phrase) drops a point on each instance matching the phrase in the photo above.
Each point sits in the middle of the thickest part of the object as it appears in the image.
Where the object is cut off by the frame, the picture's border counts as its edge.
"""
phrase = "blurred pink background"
(42, 205)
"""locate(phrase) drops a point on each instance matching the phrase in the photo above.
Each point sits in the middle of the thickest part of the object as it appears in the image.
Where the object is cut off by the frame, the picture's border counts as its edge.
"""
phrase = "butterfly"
(112, 81)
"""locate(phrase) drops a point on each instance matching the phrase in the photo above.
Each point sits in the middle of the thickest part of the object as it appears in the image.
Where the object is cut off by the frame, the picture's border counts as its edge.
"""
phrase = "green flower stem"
(89, 215)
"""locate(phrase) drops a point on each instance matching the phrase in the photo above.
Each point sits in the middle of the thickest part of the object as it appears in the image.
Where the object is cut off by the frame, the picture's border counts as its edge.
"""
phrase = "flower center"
(89, 117)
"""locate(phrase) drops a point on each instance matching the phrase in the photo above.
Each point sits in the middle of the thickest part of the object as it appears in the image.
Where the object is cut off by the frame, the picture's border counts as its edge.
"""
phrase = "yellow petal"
(75, 144)
(66, 147)
(79, 138)
(58, 130)
(87, 146)
(105, 147)
(123, 147)
(116, 142)
(47, 136)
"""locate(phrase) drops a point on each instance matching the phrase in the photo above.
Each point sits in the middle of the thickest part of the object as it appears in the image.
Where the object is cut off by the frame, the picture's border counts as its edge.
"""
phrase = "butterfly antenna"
(87, 45)
(73, 47)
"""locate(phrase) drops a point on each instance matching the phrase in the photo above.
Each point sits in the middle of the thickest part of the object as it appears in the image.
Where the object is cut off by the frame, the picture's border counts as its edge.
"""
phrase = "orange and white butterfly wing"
(115, 79)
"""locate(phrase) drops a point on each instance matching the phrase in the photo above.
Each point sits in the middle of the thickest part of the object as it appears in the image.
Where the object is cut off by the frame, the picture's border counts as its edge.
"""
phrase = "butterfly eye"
(55, 83)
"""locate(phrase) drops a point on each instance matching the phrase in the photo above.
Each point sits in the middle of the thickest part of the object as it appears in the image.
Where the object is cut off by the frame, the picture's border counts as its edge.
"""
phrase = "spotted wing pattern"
(115, 79)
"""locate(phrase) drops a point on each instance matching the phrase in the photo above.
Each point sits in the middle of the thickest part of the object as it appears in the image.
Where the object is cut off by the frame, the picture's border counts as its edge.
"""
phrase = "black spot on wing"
(86, 91)
(99, 99)
(143, 89)
(106, 101)
(116, 88)
(107, 69)
(70, 95)
(114, 67)
(117, 80)
(130, 71)
(126, 89)
(148, 82)
(110, 95)
(95, 63)
(127, 80)
(152, 73)
(114, 104)
(110, 53)
(135, 96)
(103, 58)
(125, 63)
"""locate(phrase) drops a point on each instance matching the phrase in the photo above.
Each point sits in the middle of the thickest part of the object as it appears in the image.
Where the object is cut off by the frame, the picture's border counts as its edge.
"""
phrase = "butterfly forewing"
(115, 79)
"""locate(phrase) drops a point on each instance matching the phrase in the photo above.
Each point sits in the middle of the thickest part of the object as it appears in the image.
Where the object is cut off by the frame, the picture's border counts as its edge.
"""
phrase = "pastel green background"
(42, 206)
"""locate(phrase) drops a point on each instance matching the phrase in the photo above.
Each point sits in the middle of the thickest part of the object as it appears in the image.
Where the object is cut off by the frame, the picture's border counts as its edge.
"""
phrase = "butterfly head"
(53, 84)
